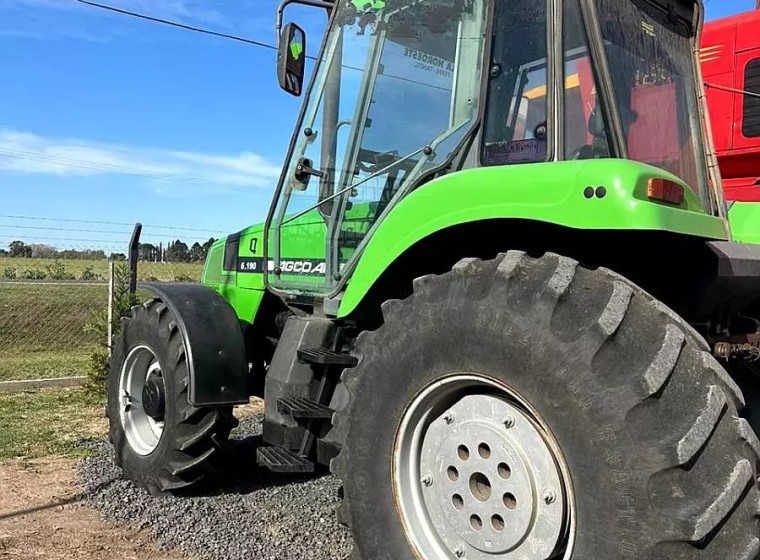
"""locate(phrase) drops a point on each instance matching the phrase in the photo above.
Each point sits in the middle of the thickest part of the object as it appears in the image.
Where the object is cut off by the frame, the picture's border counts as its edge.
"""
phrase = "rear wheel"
(533, 409)
(161, 441)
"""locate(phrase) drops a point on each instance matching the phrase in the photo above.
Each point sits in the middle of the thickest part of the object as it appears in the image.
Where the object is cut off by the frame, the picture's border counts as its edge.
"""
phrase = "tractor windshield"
(649, 52)
(396, 91)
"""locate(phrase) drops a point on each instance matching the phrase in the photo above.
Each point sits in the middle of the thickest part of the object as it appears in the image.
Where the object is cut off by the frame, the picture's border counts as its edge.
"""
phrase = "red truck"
(731, 68)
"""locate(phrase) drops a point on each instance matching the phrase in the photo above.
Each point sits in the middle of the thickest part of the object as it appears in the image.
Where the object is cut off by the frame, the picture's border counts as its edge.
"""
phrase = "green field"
(42, 322)
(98, 270)
(30, 364)
(42, 329)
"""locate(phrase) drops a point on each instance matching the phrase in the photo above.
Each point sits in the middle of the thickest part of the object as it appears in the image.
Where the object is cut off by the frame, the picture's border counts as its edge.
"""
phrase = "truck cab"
(731, 67)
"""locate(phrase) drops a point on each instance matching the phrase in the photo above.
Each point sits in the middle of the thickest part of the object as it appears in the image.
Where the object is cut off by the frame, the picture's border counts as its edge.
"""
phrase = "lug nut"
(550, 496)
(449, 417)
(459, 552)
(427, 480)
(509, 422)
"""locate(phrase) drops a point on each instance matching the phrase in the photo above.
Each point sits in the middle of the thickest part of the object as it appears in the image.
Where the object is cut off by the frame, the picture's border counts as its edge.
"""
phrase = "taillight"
(665, 191)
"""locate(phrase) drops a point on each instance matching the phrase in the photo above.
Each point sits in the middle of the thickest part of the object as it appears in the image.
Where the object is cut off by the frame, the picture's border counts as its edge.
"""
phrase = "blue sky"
(110, 119)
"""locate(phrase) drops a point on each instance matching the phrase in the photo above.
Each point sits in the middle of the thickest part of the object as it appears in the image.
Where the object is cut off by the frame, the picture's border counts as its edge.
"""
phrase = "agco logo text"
(254, 265)
(300, 267)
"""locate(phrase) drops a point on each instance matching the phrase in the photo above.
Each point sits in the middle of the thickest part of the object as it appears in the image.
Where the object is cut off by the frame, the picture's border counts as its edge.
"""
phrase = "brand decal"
(308, 267)
(430, 63)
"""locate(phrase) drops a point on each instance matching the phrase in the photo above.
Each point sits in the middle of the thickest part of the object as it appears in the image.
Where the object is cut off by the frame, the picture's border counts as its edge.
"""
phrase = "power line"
(62, 229)
(228, 36)
(107, 223)
(120, 242)
(155, 238)
(178, 25)
(78, 230)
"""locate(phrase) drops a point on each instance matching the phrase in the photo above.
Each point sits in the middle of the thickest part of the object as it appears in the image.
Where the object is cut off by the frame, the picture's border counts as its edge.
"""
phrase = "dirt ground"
(42, 517)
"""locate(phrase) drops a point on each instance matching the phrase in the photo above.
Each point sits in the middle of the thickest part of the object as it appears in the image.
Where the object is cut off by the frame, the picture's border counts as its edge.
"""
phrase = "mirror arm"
(285, 3)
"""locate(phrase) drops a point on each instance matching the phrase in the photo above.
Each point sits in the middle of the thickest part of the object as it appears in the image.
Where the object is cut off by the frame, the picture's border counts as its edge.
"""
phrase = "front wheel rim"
(478, 475)
(143, 431)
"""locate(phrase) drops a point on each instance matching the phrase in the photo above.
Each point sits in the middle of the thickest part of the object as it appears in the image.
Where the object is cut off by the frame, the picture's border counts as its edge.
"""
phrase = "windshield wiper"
(426, 149)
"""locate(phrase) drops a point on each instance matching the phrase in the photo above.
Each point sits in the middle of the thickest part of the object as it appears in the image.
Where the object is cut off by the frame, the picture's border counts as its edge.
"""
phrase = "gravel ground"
(255, 515)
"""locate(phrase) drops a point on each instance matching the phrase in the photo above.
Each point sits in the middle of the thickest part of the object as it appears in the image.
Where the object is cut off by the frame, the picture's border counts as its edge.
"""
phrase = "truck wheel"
(162, 442)
(533, 409)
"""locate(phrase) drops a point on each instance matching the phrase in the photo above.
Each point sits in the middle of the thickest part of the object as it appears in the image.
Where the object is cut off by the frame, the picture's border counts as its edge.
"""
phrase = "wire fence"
(54, 287)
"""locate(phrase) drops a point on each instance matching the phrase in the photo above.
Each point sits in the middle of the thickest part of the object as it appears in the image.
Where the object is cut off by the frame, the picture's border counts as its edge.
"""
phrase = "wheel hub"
(482, 481)
(142, 400)
(154, 397)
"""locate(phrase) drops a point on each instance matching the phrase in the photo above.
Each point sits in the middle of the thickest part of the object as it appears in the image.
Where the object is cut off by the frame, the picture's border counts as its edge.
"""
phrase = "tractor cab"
(405, 92)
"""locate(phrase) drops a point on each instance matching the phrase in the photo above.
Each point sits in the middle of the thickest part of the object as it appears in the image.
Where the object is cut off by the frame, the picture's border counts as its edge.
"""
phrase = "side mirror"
(291, 59)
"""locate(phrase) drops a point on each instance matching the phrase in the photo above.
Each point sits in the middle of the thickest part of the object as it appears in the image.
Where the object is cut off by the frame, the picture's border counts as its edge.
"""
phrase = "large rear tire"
(161, 441)
(533, 409)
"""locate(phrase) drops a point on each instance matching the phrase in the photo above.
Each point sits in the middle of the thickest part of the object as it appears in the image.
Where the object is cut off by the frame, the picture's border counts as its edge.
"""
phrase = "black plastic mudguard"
(214, 344)
(736, 277)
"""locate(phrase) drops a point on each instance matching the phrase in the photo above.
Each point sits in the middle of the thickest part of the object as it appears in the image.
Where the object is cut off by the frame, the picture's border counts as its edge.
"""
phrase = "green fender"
(556, 193)
(745, 221)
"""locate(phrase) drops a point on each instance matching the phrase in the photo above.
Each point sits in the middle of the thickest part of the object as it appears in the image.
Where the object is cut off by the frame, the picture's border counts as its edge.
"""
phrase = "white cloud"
(26, 153)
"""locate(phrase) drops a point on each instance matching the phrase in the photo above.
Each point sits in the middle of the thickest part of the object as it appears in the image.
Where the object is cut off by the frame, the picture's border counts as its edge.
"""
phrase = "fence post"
(111, 285)
(134, 255)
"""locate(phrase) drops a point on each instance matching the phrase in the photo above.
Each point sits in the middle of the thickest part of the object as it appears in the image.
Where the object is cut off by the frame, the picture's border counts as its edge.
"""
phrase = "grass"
(42, 329)
(48, 422)
(26, 364)
(163, 272)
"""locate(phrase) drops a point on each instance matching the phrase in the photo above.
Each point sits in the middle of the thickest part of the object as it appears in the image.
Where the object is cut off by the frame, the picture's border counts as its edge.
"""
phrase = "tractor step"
(299, 407)
(282, 459)
(320, 356)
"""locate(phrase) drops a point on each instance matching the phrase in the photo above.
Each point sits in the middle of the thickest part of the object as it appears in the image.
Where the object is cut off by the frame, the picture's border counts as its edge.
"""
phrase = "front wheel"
(161, 441)
(532, 409)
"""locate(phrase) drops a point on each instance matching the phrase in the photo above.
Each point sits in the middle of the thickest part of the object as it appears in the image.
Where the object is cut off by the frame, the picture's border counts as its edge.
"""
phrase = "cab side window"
(585, 126)
(516, 107)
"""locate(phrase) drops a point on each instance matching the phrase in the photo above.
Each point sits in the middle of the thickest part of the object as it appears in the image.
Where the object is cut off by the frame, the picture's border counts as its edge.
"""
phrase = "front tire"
(161, 441)
(649, 457)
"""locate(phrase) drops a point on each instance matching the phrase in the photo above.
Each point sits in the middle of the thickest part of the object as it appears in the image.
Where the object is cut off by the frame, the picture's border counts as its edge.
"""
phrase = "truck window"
(751, 121)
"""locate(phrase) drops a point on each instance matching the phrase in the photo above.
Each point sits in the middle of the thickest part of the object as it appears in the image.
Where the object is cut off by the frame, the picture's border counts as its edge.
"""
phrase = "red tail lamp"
(664, 190)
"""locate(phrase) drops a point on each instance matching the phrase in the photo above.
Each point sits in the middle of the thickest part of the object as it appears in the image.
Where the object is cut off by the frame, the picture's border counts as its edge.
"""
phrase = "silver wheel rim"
(478, 475)
(143, 432)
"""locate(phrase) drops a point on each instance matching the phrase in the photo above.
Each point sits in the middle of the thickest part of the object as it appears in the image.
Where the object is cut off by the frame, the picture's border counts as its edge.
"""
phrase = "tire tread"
(679, 343)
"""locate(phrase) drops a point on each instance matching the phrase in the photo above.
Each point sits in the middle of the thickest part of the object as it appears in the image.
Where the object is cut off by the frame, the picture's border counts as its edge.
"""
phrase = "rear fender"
(214, 344)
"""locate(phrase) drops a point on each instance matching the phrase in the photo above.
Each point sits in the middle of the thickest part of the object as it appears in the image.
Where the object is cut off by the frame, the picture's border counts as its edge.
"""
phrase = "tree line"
(174, 251)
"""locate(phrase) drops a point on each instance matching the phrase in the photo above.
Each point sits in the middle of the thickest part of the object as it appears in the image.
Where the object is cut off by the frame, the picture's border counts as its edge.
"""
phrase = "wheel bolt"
(509, 421)
(550, 496)
(427, 480)
(449, 417)
(459, 552)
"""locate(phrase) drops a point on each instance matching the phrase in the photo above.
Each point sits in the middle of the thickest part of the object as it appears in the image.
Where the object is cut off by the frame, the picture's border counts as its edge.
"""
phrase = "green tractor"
(498, 293)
